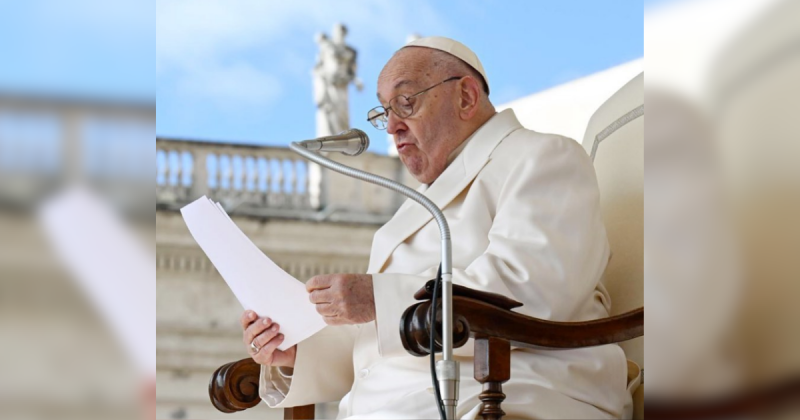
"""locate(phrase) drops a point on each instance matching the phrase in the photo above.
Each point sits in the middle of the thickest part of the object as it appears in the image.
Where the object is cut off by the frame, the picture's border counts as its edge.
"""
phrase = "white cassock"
(524, 213)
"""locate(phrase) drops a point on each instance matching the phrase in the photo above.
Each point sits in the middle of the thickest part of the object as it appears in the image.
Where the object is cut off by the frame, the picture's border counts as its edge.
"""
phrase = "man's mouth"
(402, 146)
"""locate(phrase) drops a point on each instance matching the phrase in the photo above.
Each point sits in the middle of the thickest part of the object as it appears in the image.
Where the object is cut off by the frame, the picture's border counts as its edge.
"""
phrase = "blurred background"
(234, 84)
(77, 107)
(722, 278)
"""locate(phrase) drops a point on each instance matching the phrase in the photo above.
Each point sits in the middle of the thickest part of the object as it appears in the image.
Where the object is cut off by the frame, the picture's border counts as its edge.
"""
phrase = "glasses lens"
(377, 116)
(402, 106)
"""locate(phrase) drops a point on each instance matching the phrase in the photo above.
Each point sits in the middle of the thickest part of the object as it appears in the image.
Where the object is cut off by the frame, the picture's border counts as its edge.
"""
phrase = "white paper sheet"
(110, 263)
(258, 283)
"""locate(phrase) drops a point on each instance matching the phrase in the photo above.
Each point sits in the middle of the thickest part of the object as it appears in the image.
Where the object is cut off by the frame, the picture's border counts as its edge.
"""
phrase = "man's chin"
(413, 166)
(421, 178)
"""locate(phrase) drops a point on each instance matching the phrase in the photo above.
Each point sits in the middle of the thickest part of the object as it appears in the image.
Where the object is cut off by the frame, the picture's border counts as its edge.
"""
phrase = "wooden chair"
(614, 139)
(486, 317)
(490, 320)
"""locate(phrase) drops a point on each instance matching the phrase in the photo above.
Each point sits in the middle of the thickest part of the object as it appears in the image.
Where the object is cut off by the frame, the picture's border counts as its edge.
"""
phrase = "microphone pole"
(447, 369)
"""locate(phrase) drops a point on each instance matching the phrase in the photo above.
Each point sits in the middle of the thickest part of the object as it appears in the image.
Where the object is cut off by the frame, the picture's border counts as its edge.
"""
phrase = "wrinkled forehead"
(409, 70)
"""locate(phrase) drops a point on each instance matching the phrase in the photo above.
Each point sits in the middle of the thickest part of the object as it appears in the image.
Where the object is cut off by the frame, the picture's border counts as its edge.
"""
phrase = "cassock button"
(363, 374)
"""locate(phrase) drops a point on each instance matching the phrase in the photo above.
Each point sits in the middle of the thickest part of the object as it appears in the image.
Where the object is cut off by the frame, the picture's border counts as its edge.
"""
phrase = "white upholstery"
(616, 135)
(615, 139)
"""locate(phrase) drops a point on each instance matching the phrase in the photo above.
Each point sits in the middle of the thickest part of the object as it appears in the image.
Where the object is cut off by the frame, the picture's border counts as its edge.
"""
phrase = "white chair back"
(615, 140)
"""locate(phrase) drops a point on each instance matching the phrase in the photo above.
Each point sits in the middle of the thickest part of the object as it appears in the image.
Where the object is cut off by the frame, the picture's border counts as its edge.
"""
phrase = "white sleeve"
(547, 245)
(323, 371)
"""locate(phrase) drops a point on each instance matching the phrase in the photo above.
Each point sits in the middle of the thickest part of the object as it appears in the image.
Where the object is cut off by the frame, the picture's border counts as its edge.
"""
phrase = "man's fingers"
(273, 344)
(320, 296)
(247, 318)
(327, 309)
(264, 338)
(255, 329)
(318, 283)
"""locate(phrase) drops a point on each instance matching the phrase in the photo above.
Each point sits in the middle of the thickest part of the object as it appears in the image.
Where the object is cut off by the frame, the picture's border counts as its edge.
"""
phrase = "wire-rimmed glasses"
(401, 105)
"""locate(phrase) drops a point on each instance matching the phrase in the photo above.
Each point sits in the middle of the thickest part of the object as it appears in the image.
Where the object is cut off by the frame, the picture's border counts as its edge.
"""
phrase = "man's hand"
(265, 335)
(343, 298)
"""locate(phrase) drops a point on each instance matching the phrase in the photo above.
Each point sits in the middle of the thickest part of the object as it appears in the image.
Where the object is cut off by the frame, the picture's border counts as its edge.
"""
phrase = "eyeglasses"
(401, 105)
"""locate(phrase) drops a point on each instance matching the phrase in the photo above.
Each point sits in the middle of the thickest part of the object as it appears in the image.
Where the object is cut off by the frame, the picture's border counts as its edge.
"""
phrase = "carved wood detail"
(234, 387)
(492, 369)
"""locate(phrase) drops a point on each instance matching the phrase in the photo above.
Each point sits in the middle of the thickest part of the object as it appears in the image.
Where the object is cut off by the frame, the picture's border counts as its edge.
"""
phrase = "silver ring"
(255, 348)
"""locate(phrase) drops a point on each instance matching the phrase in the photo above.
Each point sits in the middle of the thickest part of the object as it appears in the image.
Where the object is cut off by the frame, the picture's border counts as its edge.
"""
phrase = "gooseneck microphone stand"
(447, 369)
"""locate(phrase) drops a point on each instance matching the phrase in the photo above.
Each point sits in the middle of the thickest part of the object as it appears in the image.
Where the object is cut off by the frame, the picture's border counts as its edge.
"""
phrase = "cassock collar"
(466, 165)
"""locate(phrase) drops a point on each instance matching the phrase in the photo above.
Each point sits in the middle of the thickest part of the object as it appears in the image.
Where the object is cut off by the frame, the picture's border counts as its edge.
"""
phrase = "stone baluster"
(267, 181)
(168, 188)
(239, 175)
(176, 170)
(291, 163)
(184, 172)
(302, 178)
(251, 167)
(249, 177)
(163, 170)
(301, 189)
(217, 175)
(188, 174)
(227, 174)
(263, 179)
(279, 179)
(199, 173)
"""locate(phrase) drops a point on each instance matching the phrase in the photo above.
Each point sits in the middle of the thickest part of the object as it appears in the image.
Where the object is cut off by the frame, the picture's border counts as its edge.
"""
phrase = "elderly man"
(523, 209)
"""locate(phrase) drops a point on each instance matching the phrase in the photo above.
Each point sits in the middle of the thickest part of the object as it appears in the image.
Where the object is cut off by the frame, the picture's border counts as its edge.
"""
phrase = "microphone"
(352, 142)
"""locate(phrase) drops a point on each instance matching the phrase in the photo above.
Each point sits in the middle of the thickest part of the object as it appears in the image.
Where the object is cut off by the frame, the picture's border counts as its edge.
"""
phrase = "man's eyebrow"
(396, 86)
(401, 83)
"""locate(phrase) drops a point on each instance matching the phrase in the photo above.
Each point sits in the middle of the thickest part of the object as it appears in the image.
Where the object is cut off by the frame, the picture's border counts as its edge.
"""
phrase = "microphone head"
(363, 139)
(352, 142)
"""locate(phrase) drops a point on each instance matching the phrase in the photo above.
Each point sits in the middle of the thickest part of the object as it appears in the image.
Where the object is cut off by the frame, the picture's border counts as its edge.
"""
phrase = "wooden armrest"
(769, 400)
(426, 293)
(234, 387)
(481, 314)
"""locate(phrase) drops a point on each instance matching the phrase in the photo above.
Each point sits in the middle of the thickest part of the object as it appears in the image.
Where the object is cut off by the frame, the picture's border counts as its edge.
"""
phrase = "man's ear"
(469, 97)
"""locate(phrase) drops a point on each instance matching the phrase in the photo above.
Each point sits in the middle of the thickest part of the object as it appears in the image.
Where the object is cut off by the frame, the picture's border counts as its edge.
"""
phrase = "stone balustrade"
(268, 181)
(49, 143)
(233, 174)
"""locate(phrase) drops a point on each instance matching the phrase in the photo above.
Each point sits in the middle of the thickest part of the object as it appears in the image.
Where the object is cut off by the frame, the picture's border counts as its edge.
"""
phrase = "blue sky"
(86, 48)
(239, 70)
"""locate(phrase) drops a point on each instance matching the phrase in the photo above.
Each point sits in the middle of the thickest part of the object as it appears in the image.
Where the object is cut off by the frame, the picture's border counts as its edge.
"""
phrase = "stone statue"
(412, 37)
(334, 71)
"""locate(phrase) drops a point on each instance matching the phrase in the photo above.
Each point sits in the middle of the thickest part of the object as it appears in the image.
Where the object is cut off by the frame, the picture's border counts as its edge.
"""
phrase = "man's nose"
(395, 124)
